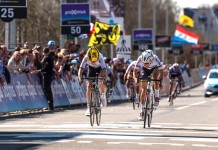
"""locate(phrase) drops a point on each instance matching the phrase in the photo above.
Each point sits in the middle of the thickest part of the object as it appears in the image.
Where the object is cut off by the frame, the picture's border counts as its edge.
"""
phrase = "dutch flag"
(182, 35)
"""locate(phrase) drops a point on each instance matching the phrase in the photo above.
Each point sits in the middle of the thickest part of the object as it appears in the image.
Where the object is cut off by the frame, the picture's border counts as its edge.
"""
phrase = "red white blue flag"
(182, 35)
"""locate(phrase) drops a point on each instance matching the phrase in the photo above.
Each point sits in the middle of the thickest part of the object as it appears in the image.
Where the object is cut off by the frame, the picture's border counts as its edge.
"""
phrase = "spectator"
(59, 66)
(26, 45)
(14, 63)
(29, 63)
(2, 66)
(185, 67)
(37, 53)
(71, 48)
(47, 76)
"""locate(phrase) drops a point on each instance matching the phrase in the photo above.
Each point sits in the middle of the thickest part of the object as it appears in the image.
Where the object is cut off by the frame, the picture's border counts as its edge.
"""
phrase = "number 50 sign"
(16, 9)
(75, 18)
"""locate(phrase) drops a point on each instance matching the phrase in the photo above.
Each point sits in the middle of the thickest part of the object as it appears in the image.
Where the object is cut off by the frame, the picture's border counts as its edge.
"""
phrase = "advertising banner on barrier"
(36, 94)
(59, 94)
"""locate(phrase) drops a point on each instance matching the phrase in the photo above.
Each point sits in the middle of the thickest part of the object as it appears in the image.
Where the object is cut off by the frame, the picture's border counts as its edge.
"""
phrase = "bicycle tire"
(92, 114)
(98, 116)
(98, 109)
(171, 101)
(146, 110)
(133, 100)
(92, 107)
(151, 109)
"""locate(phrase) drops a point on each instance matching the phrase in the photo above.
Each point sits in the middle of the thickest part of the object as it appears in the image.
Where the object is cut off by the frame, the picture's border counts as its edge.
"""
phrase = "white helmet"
(147, 56)
(175, 65)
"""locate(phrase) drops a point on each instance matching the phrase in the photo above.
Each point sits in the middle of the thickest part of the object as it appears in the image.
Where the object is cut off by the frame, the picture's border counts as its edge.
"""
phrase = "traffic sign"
(15, 9)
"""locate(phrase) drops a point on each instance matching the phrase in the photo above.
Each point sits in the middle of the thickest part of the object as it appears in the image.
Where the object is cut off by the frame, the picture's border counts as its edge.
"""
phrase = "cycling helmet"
(147, 56)
(115, 60)
(74, 62)
(93, 54)
(175, 65)
(51, 43)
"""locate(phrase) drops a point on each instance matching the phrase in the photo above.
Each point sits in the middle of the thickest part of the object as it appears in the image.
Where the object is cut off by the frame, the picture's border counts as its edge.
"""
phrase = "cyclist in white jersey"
(129, 74)
(95, 62)
(151, 66)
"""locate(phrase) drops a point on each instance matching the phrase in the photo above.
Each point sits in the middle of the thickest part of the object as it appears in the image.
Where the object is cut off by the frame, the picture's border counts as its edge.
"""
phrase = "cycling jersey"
(99, 63)
(131, 66)
(175, 73)
(154, 64)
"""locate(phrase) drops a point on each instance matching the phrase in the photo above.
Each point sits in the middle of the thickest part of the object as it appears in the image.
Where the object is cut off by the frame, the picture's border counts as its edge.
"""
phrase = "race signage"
(75, 18)
(197, 49)
(176, 48)
(142, 39)
(162, 41)
(16, 9)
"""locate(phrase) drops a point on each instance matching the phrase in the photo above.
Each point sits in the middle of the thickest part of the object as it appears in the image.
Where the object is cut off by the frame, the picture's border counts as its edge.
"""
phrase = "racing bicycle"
(149, 107)
(175, 92)
(95, 103)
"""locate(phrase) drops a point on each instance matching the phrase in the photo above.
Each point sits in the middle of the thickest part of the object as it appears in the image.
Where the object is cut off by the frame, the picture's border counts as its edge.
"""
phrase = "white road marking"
(84, 142)
(194, 104)
(199, 145)
(63, 141)
(196, 139)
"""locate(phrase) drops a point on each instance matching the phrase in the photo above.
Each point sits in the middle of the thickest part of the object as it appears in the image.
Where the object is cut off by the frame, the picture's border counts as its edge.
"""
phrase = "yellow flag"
(105, 34)
(187, 21)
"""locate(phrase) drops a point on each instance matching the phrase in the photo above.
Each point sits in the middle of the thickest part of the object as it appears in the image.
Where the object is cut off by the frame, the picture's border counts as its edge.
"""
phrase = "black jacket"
(47, 66)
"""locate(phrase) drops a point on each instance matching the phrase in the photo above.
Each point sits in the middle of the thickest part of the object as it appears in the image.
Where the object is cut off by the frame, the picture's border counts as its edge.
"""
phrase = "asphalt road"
(191, 124)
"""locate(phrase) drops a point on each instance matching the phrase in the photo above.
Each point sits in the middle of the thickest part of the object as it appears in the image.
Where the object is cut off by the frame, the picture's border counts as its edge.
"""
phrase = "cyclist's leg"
(155, 75)
(142, 99)
(103, 88)
(180, 78)
(170, 88)
(88, 97)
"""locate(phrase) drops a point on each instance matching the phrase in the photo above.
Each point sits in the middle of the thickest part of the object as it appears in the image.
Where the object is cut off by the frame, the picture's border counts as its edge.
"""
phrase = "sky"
(195, 3)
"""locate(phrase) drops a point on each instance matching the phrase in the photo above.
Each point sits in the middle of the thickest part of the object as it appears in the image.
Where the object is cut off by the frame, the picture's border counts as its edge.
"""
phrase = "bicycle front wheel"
(150, 114)
(92, 107)
(98, 116)
(92, 114)
(98, 111)
(146, 111)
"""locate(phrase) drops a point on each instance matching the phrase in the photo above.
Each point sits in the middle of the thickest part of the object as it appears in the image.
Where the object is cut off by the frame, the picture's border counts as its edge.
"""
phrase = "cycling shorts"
(92, 71)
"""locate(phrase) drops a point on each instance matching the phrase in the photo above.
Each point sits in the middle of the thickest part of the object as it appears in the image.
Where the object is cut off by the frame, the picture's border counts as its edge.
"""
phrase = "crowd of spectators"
(26, 59)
